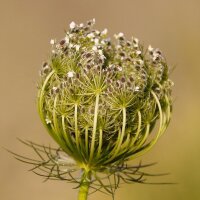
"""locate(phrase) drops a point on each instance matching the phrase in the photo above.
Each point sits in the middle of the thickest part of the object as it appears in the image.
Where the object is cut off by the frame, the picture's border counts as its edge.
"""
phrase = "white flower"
(120, 69)
(102, 57)
(48, 121)
(77, 47)
(53, 51)
(66, 39)
(138, 52)
(103, 42)
(93, 20)
(104, 32)
(96, 41)
(136, 40)
(81, 25)
(71, 45)
(119, 35)
(52, 41)
(141, 62)
(94, 48)
(150, 48)
(71, 35)
(70, 74)
(155, 54)
(155, 58)
(90, 35)
(54, 88)
(72, 25)
(137, 88)
(100, 52)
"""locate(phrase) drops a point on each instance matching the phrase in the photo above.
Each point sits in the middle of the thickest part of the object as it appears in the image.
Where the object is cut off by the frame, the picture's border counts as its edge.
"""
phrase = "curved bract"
(100, 100)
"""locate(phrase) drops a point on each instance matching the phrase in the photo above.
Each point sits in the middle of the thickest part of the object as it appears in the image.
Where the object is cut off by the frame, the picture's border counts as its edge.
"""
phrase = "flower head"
(100, 100)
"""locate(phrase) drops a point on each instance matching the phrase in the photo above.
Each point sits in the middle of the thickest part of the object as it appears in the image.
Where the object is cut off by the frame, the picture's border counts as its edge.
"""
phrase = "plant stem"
(94, 127)
(84, 186)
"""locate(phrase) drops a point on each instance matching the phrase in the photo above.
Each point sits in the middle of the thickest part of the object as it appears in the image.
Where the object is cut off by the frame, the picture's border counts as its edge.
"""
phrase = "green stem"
(86, 140)
(100, 143)
(84, 186)
(121, 136)
(76, 125)
(94, 127)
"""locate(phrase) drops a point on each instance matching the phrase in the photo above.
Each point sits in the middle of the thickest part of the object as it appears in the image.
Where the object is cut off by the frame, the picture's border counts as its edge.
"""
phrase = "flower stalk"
(84, 185)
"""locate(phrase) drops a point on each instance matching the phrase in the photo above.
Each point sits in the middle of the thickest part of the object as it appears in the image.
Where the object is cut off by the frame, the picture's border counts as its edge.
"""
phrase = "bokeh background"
(26, 27)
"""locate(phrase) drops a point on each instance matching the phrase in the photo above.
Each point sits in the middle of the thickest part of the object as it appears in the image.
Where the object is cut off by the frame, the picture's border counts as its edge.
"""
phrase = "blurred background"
(26, 28)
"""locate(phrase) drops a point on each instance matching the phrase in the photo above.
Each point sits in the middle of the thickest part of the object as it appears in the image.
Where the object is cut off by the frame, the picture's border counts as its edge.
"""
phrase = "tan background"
(26, 27)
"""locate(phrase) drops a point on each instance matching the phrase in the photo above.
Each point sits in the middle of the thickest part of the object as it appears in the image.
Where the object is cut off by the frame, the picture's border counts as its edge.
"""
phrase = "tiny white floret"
(138, 52)
(150, 48)
(71, 45)
(94, 48)
(137, 88)
(136, 40)
(141, 62)
(66, 39)
(103, 42)
(120, 35)
(77, 47)
(90, 35)
(100, 52)
(120, 69)
(102, 57)
(54, 88)
(72, 25)
(70, 74)
(96, 41)
(105, 31)
(52, 41)
(48, 121)
(71, 35)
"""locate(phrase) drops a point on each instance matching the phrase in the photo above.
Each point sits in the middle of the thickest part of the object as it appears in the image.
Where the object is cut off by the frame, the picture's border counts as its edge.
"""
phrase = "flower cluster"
(104, 103)
(100, 99)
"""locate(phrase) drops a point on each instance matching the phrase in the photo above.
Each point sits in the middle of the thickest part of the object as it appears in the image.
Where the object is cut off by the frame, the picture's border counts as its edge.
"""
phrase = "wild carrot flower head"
(100, 99)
